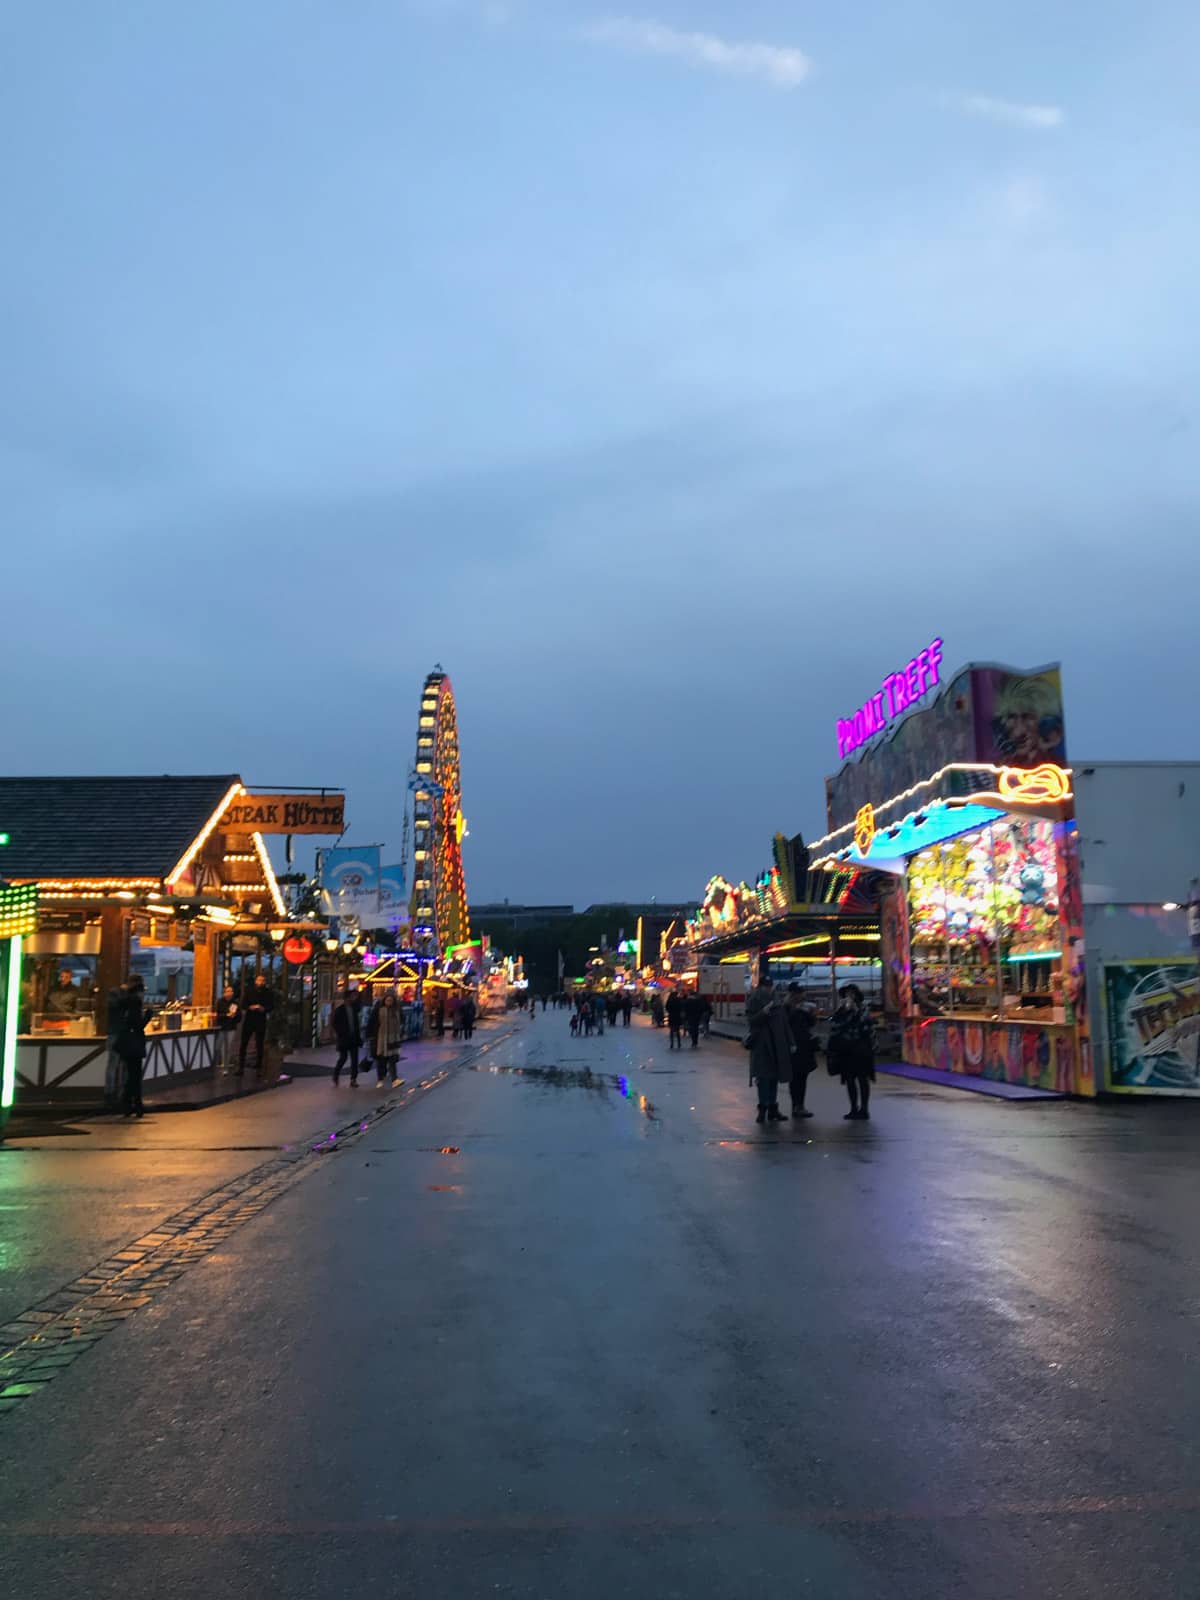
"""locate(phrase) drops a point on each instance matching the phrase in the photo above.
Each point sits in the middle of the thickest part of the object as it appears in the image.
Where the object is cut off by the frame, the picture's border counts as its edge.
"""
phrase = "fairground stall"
(167, 877)
(426, 999)
(957, 794)
(798, 924)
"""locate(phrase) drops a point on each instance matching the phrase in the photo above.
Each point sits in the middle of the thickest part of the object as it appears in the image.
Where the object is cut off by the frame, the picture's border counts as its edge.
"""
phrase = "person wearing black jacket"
(804, 1056)
(851, 1051)
(693, 1015)
(470, 1011)
(254, 1024)
(128, 1030)
(675, 1020)
(348, 1035)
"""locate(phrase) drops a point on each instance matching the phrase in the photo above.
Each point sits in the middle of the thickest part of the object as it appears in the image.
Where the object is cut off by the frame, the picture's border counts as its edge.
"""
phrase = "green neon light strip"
(1036, 955)
(12, 1006)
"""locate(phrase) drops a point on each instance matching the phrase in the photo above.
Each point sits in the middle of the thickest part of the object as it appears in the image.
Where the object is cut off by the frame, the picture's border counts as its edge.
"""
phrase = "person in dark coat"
(770, 1041)
(469, 1012)
(804, 1050)
(675, 1019)
(851, 1051)
(656, 1010)
(129, 1042)
(693, 1015)
(626, 1008)
(348, 1036)
(254, 1024)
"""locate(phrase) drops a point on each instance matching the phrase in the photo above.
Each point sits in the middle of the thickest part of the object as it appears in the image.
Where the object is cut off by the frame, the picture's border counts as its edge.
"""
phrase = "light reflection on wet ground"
(601, 1083)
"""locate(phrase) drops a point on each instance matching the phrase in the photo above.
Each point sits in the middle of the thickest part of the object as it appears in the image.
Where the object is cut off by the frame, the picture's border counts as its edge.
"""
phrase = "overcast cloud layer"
(669, 377)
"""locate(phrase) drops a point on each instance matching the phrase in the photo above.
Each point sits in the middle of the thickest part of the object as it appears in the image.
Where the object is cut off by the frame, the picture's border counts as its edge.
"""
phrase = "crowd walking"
(780, 1035)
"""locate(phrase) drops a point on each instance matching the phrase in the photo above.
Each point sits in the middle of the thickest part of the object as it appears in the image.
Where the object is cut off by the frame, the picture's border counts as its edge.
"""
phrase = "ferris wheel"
(439, 901)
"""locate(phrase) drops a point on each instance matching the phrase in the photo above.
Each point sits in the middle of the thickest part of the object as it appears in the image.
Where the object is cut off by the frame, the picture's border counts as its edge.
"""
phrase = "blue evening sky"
(668, 375)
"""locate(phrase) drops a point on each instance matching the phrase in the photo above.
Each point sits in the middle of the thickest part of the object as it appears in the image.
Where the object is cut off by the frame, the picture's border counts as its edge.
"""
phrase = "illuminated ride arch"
(439, 899)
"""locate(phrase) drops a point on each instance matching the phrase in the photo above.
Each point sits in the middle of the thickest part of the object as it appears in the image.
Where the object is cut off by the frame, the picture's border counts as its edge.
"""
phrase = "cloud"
(1011, 112)
(782, 66)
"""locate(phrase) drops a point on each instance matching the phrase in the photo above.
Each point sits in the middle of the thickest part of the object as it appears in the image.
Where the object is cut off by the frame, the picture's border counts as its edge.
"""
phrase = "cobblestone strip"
(43, 1341)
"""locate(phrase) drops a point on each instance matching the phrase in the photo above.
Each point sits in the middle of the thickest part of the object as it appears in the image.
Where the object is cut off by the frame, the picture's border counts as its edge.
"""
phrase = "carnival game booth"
(795, 922)
(165, 876)
(420, 995)
(966, 808)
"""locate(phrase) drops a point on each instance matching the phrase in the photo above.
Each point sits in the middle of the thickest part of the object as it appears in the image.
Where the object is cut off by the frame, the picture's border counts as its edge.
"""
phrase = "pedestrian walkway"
(616, 1326)
(73, 1191)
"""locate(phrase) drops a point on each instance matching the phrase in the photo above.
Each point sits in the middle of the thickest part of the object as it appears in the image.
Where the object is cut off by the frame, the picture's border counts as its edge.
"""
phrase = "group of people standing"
(783, 1050)
(685, 1013)
(251, 1016)
(458, 1012)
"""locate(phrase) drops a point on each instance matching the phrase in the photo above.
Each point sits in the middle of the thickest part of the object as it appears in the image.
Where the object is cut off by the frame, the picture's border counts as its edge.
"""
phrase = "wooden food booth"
(157, 875)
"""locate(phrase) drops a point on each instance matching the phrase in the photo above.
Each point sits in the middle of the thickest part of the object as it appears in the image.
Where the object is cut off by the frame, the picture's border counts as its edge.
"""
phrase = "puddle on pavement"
(601, 1083)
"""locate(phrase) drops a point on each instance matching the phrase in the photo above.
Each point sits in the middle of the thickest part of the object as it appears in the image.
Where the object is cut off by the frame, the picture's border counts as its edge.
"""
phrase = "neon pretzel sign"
(899, 691)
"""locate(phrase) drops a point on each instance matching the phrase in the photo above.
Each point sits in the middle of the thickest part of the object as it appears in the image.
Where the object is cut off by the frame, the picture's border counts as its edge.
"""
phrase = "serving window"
(984, 921)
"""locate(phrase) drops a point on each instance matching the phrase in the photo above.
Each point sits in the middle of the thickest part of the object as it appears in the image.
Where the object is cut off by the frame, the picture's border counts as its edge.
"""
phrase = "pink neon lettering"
(900, 690)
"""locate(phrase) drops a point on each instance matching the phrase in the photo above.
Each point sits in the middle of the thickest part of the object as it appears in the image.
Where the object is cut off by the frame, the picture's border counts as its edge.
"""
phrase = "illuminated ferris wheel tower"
(439, 901)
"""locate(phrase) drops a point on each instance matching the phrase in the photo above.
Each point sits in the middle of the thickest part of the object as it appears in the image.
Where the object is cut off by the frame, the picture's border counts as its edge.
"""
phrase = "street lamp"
(277, 934)
(331, 945)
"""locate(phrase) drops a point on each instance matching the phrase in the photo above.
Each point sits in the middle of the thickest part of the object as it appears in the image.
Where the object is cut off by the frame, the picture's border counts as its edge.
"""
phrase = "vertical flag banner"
(350, 884)
(393, 896)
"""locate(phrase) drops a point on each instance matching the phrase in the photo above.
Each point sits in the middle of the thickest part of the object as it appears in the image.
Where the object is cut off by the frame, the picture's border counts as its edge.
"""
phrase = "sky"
(667, 376)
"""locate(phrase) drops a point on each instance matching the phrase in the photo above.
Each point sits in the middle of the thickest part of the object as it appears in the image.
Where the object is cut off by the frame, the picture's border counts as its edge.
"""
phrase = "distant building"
(519, 916)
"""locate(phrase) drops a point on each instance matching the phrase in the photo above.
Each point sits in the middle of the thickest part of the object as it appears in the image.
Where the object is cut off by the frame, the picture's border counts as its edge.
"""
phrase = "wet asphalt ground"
(570, 1324)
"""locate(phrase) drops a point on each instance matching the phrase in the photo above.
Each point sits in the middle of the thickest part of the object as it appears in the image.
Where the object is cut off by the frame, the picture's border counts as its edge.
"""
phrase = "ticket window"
(59, 994)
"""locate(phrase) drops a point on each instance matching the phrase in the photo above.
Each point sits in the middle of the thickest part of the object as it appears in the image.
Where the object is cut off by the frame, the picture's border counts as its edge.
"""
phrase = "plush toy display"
(1002, 879)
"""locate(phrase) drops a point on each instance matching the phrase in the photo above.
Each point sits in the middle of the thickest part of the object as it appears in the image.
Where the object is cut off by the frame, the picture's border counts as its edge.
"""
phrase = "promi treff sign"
(285, 813)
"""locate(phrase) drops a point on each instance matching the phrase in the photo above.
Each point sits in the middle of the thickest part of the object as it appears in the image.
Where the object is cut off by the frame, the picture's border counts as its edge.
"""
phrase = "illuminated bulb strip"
(83, 894)
(906, 794)
(99, 883)
(202, 838)
(269, 875)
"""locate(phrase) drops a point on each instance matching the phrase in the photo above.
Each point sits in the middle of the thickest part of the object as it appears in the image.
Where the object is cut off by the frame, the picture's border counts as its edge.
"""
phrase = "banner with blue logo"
(350, 884)
(393, 896)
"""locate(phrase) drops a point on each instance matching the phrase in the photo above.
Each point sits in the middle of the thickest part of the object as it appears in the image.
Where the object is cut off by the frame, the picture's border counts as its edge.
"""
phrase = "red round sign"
(297, 950)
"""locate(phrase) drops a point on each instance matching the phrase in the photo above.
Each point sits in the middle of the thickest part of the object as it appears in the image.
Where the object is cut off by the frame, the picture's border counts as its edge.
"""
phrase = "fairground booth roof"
(789, 901)
(187, 838)
(127, 828)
